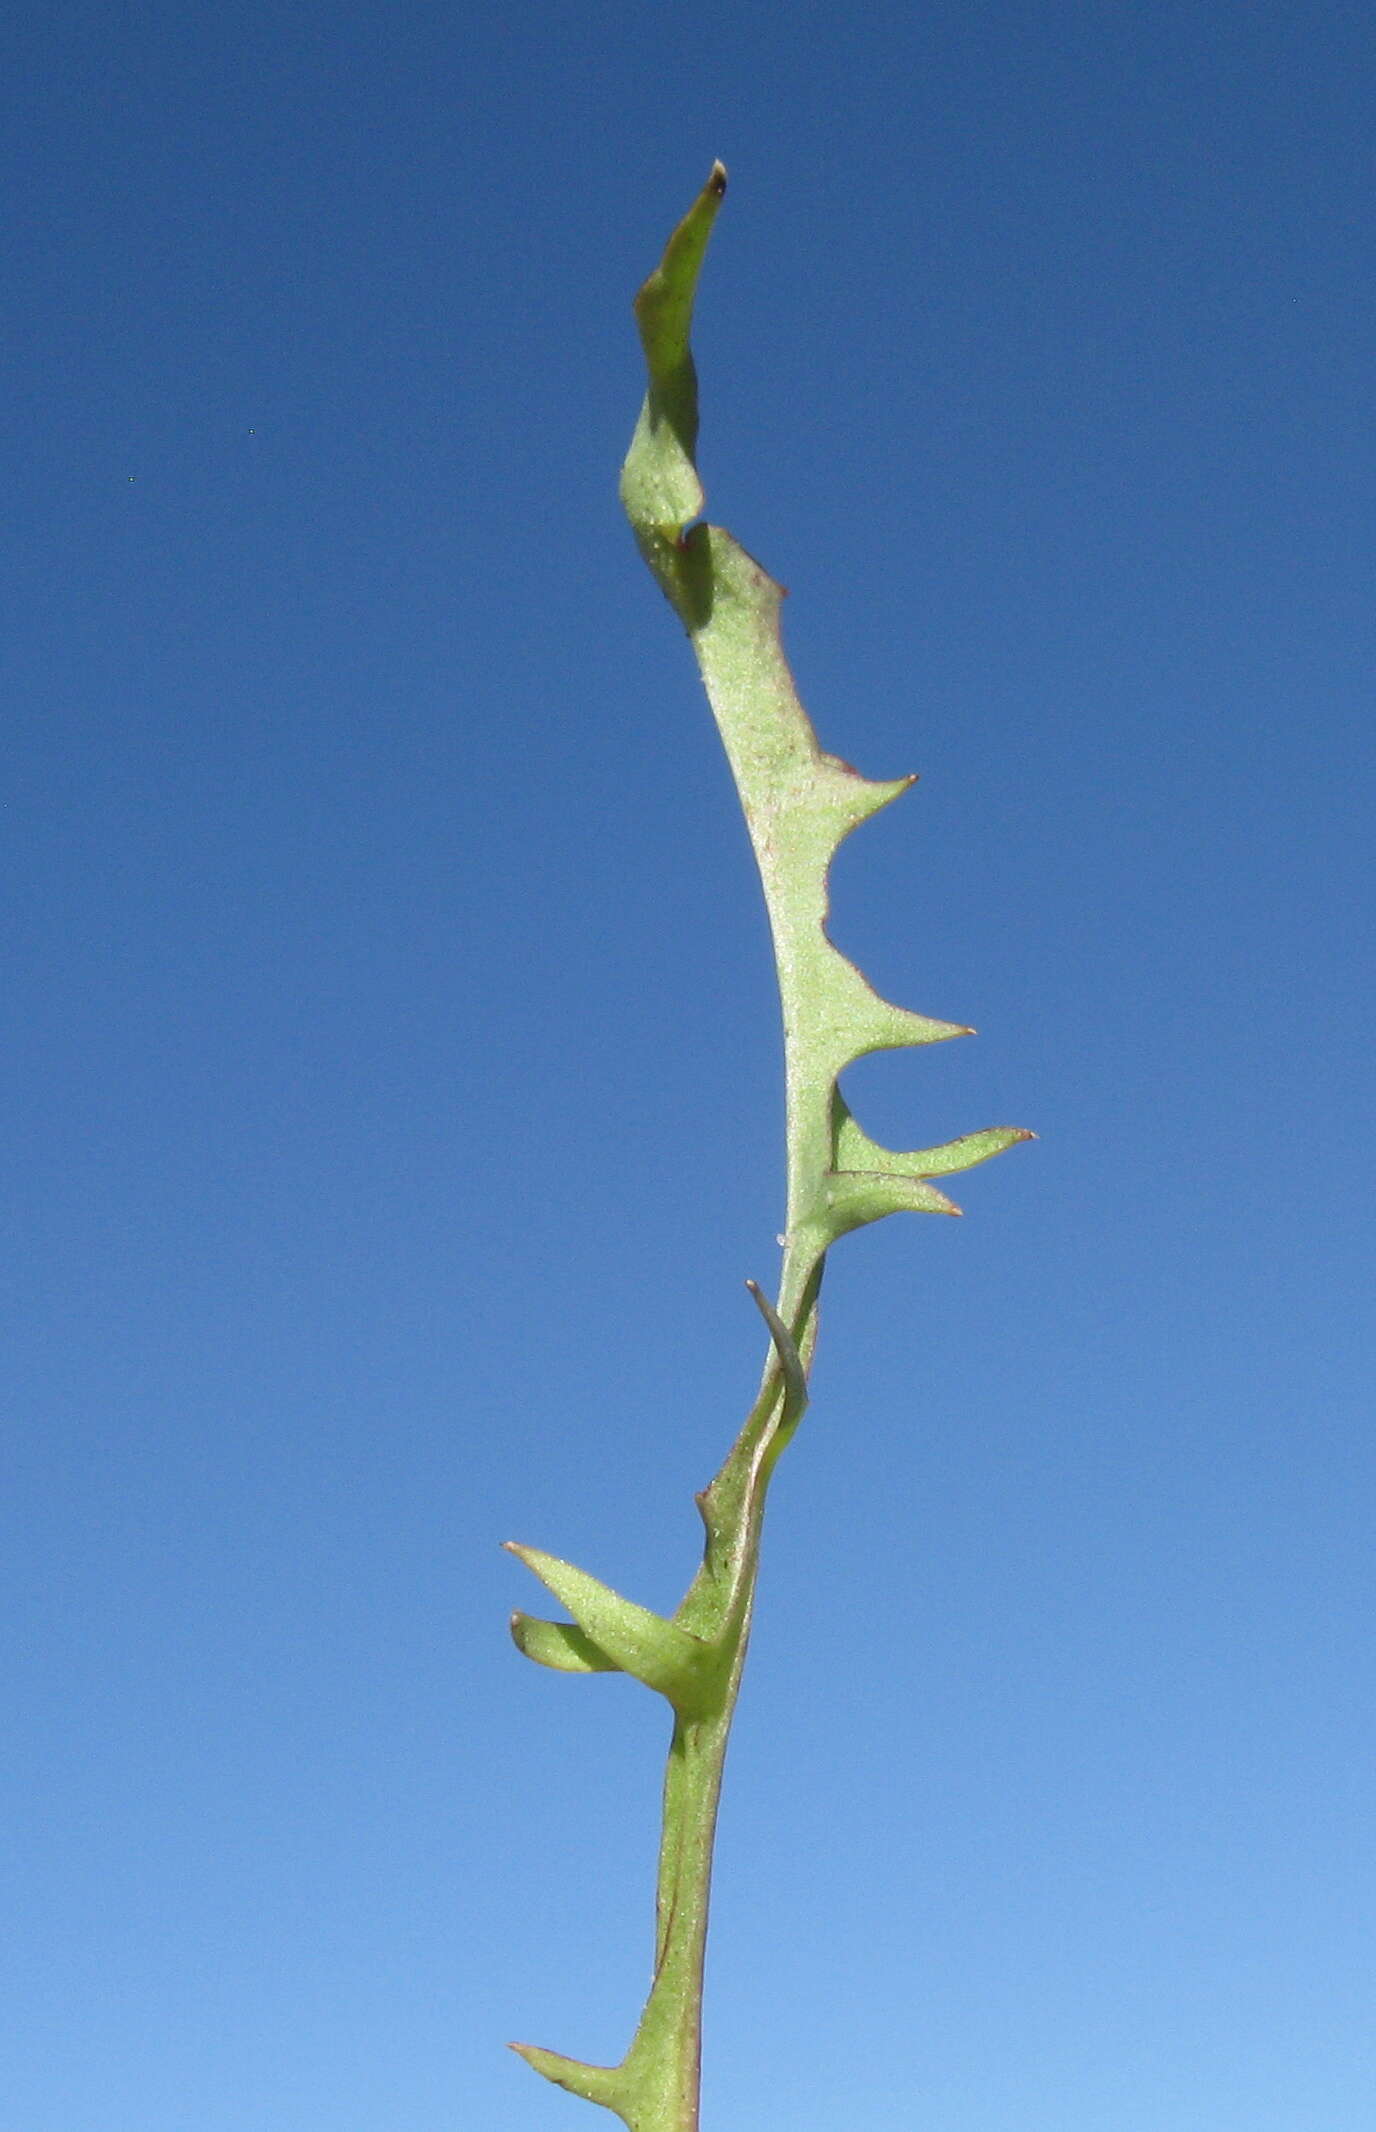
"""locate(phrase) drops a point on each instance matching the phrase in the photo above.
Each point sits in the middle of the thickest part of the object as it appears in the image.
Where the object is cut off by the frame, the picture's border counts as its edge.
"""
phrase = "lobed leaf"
(799, 802)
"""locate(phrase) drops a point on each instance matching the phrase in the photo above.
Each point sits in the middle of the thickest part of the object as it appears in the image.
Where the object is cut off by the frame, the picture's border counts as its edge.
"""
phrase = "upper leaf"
(799, 802)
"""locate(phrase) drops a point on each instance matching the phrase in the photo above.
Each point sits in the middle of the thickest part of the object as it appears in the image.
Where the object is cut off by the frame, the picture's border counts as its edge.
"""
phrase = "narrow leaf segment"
(799, 804)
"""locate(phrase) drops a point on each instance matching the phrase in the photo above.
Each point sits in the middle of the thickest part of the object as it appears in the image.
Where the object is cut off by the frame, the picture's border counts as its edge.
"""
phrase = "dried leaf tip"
(716, 181)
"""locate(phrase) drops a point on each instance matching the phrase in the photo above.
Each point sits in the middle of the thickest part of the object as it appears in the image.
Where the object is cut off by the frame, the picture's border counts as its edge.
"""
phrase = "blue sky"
(392, 1070)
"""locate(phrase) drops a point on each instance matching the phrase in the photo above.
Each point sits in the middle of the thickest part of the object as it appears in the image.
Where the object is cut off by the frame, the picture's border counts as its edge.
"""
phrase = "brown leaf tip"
(717, 181)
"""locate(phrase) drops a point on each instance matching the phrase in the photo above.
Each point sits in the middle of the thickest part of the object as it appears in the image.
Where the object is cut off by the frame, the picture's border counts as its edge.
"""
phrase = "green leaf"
(657, 1652)
(799, 802)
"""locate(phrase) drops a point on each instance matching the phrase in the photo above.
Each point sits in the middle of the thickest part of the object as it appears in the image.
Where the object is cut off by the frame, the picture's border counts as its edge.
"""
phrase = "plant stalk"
(799, 803)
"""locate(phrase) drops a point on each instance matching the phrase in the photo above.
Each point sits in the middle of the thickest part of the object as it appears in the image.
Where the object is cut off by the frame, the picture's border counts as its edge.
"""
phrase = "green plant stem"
(656, 2087)
(720, 1603)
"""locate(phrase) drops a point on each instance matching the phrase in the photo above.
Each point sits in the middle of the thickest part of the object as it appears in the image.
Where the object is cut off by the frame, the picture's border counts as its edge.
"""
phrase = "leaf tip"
(716, 181)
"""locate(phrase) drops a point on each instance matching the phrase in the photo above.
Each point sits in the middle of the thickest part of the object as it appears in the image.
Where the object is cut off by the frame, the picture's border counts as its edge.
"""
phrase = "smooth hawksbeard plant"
(799, 804)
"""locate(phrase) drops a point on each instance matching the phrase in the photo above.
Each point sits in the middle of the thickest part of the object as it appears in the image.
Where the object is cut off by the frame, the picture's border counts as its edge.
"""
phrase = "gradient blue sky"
(392, 1074)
